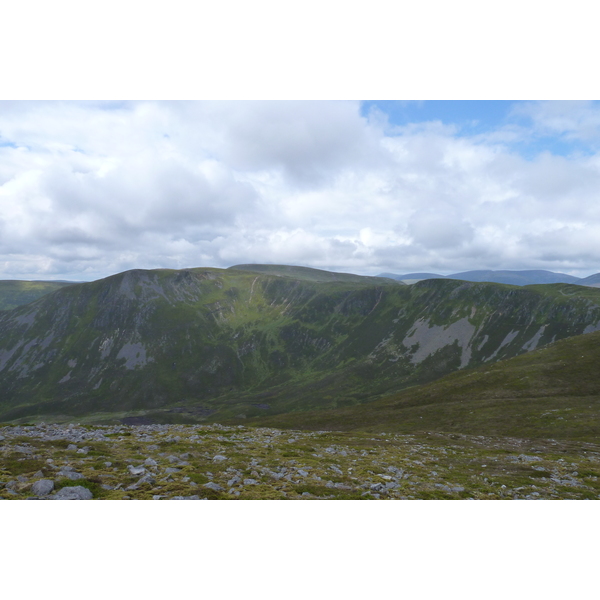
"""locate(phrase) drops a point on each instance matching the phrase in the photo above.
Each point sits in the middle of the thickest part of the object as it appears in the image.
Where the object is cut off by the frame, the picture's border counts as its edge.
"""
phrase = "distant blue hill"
(516, 277)
(591, 280)
(530, 277)
(413, 276)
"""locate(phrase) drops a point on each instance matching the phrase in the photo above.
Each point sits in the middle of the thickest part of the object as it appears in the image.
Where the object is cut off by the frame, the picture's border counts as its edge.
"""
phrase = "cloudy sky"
(88, 189)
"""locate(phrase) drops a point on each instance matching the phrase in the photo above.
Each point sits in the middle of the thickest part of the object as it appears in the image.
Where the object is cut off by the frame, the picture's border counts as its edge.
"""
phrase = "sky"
(89, 189)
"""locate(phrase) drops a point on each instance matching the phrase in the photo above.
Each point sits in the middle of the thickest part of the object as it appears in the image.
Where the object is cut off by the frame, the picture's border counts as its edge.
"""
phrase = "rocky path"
(181, 462)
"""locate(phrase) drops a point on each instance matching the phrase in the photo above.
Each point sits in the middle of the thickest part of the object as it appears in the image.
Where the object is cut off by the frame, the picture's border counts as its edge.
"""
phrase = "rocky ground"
(196, 462)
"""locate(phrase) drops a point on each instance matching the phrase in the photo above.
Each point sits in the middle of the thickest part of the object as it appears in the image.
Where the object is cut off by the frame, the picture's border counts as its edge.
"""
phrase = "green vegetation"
(553, 392)
(199, 345)
(17, 293)
(94, 484)
(314, 275)
(14, 464)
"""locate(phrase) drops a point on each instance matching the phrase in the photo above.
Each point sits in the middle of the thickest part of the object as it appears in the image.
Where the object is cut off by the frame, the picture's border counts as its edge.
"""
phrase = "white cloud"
(89, 189)
(439, 230)
(576, 120)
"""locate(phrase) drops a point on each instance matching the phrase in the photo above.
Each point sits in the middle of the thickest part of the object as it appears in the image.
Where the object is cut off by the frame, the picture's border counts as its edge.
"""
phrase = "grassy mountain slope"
(17, 293)
(211, 342)
(315, 275)
(553, 392)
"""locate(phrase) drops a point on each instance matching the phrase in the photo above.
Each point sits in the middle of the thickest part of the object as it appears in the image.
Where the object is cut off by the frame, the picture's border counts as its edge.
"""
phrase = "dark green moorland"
(16, 293)
(551, 393)
(442, 389)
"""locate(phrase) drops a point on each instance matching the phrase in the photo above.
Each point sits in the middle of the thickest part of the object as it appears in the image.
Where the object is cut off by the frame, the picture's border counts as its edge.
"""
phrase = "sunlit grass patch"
(14, 465)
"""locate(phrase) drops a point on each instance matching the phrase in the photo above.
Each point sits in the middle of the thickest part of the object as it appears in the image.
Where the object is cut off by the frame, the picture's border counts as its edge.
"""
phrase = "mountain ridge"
(216, 343)
(521, 278)
(311, 274)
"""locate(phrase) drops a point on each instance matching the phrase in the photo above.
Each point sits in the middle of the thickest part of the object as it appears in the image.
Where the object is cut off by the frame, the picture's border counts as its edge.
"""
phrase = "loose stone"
(136, 470)
(73, 493)
(70, 474)
(42, 487)
(213, 486)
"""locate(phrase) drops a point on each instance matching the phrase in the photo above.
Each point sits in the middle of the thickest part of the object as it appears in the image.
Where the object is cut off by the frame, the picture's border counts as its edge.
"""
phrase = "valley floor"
(237, 462)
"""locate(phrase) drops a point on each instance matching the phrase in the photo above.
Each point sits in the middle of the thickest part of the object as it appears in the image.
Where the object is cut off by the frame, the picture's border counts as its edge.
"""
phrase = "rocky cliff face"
(237, 341)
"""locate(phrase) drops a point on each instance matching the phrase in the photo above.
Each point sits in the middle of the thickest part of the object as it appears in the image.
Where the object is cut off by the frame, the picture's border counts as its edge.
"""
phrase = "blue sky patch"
(479, 117)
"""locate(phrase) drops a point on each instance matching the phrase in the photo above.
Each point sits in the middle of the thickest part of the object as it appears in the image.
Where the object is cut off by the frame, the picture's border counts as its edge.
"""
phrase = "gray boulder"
(213, 486)
(69, 474)
(145, 479)
(42, 487)
(447, 488)
(136, 470)
(76, 492)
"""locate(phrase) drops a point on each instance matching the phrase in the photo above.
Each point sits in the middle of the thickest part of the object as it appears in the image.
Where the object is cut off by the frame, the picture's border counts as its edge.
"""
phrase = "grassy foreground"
(218, 462)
